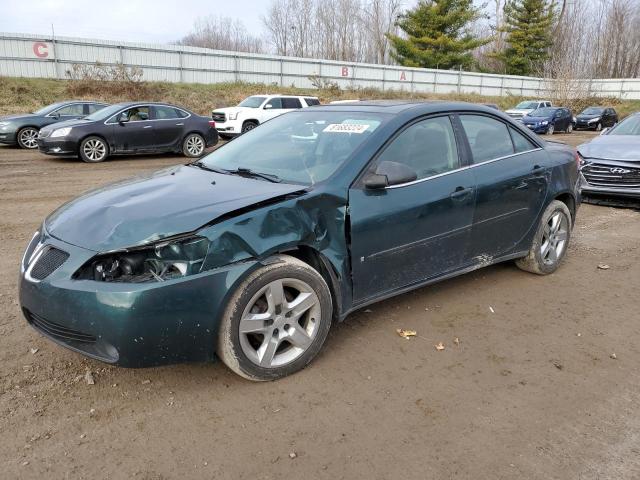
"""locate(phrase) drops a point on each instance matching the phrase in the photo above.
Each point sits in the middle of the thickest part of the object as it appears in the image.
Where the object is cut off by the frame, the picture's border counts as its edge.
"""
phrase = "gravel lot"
(544, 383)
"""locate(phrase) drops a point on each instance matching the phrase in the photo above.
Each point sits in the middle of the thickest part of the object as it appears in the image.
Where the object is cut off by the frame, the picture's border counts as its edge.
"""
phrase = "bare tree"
(222, 33)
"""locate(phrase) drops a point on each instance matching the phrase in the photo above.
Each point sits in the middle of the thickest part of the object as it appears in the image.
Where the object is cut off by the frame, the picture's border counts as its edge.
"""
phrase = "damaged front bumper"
(128, 324)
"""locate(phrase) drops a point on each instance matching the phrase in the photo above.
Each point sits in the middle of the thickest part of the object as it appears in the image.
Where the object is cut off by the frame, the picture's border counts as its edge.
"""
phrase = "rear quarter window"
(312, 101)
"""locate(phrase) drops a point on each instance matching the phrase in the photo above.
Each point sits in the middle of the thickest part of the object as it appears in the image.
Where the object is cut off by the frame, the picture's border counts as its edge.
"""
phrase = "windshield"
(298, 147)
(527, 105)
(629, 126)
(48, 109)
(104, 113)
(252, 102)
(543, 112)
(593, 111)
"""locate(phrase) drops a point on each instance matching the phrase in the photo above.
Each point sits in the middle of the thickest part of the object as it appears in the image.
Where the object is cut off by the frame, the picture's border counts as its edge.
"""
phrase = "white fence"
(24, 55)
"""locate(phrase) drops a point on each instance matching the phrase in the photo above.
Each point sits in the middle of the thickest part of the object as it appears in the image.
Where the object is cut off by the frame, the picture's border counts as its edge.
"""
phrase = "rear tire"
(193, 145)
(28, 138)
(276, 320)
(550, 242)
(93, 150)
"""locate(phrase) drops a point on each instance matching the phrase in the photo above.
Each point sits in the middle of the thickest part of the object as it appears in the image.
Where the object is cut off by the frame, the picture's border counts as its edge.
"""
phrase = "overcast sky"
(151, 21)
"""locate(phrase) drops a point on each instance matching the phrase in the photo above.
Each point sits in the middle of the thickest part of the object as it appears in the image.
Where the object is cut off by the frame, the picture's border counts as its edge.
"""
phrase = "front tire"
(570, 128)
(276, 320)
(550, 130)
(28, 138)
(193, 145)
(93, 150)
(599, 127)
(550, 242)
(248, 125)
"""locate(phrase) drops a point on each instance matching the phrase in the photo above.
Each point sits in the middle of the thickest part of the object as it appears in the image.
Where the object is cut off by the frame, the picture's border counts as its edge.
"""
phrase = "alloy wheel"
(554, 238)
(280, 323)
(28, 138)
(195, 145)
(599, 127)
(550, 130)
(94, 149)
(570, 128)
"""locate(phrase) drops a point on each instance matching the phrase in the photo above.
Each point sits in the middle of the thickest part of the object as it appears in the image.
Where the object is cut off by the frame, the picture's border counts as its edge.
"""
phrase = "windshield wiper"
(200, 164)
(250, 173)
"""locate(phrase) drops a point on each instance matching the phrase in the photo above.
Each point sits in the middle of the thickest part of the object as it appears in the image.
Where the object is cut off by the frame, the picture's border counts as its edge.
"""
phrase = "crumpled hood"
(613, 147)
(149, 208)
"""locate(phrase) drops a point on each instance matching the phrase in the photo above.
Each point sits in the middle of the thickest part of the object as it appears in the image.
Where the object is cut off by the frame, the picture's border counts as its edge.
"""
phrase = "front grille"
(58, 331)
(219, 117)
(48, 262)
(611, 176)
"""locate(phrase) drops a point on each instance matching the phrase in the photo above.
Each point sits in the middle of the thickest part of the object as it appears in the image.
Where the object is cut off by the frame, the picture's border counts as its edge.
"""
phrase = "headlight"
(61, 132)
(597, 119)
(155, 263)
(4, 124)
(233, 116)
(544, 122)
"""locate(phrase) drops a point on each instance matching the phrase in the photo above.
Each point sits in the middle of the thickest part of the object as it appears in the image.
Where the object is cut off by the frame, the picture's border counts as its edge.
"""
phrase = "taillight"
(212, 124)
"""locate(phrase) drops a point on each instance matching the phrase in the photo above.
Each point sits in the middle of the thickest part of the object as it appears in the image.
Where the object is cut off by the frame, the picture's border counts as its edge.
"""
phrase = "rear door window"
(291, 103)
(90, 108)
(488, 138)
(165, 113)
(312, 101)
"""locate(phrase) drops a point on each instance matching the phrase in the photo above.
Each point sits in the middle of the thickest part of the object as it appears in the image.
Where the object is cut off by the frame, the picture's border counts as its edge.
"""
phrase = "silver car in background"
(610, 163)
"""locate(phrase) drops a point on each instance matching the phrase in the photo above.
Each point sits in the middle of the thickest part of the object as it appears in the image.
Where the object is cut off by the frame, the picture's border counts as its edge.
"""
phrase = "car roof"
(133, 104)
(399, 106)
(283, 96)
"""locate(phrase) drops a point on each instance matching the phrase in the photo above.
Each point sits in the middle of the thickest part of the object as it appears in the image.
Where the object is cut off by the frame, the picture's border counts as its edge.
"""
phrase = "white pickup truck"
(257, 109)
(526, 107)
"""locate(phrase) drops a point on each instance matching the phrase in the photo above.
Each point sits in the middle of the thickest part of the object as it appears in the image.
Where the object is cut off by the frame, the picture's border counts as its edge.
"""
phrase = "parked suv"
(526, 107)
(254, 110)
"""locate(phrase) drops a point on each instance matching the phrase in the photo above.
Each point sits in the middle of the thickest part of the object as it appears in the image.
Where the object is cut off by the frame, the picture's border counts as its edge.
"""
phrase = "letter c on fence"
(41, 49)
(345, 71)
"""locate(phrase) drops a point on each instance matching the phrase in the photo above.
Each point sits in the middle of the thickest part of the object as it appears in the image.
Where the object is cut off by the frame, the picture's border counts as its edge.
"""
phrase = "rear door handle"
(179, 124)
(460, 193)
(148, 126)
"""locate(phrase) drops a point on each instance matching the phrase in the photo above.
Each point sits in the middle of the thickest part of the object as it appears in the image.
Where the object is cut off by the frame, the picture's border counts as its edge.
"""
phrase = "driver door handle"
(148, 126)
(461, 193)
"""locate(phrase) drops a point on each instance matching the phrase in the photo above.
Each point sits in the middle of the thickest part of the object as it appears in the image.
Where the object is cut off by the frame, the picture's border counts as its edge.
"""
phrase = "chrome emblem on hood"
(619, 170)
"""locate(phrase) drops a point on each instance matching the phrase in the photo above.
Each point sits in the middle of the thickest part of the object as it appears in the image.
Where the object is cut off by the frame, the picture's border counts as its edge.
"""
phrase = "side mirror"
(122, 118)
(268, 106)
(388, 174)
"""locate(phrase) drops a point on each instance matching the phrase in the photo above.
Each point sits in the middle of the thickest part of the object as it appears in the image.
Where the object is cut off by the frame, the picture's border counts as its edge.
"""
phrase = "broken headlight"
(155, 263)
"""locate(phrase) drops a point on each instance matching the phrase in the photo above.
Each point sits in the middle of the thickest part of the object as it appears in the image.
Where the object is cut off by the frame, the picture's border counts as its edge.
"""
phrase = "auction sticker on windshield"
(345, 128)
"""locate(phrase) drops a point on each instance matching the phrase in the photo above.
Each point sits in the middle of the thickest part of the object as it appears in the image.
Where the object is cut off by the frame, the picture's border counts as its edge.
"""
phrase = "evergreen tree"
(437, 35)
(529, 26)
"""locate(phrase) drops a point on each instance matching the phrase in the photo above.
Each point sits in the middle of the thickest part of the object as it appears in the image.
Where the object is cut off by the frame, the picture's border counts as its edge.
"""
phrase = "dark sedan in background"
(549, 120)
(130, 128)
(22, 129)
(610, 163)
(596, 118)
(252, 252)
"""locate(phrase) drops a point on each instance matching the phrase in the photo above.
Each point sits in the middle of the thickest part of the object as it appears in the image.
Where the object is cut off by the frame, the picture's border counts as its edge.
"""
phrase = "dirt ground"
(544, 383)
